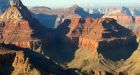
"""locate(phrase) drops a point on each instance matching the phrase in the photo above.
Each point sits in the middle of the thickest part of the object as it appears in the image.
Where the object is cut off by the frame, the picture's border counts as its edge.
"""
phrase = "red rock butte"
(14, 29)
(92, 31)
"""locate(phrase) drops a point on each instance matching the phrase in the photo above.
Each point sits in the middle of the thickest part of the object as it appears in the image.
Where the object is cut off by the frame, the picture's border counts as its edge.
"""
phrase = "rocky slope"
(131, 65)
(68, 11)
(17, 62)
(118, 13)
(14, 62)
(123, 15)
(130, 20)
(20, 29)
(91, 46)
(101, 41)
(127, 20)
(21, 39)
(16, 30)
(52, 15)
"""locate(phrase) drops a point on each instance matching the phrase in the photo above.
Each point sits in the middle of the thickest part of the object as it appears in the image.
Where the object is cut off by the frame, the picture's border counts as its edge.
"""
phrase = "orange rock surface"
(74, 23)
(15, 30)
(19, 58)
(8, 57)
(88, 31)
(17, 33)
(22, 44)
(88, 43)
(92, 33)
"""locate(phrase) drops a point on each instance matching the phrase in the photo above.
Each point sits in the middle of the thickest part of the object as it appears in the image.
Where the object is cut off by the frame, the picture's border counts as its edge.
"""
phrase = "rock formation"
(102, 45)
(122, 15)
(15, 62)
(99, 39)
(20, 31)
(65, 12)
(123, 19)
(131, 65)
(68, 13)
(74, 23)
(16, 30)
(22, 65)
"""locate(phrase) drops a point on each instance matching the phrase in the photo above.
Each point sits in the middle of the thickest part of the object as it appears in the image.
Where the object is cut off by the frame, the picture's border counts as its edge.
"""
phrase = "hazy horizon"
(82, 3)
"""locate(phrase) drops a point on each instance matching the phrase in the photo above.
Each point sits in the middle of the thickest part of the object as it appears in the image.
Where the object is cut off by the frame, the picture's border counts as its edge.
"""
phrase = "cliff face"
(118, 10)
(122, 15)
(67, 12)
(14, 62)
(122, 19)
(21, 65)
(88, 43)
(16, 30)
(101, 39)
(98, 29)
(91, 33)
(132, 64)
(73, 24)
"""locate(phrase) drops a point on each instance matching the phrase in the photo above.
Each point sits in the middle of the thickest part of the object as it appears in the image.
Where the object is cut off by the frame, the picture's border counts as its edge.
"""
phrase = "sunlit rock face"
(103, 30)
(100, 42)
(16, 29)
(23, 9)
(15, 62)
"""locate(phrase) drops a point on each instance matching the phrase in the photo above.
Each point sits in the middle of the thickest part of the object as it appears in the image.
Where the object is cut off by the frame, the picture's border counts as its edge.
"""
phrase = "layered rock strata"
(16, 30)
(100, 43)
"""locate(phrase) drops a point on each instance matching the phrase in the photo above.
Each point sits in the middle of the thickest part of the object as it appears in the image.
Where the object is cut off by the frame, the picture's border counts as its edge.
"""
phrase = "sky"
(83, 3)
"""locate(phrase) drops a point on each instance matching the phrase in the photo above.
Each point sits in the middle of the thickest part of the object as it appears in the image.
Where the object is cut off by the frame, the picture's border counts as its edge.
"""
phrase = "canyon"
(68, 41)
(98, 38)
(19, 44)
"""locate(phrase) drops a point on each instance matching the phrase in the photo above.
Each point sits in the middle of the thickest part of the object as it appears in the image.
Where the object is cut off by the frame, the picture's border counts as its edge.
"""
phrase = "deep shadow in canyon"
(118, 42)
(60, 47)
(42, 18)
(41, 63)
